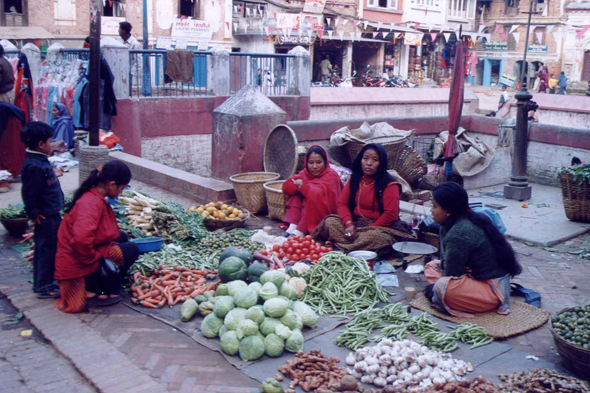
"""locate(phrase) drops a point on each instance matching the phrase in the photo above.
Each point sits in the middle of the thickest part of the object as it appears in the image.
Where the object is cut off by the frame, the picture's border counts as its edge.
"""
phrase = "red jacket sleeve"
(84, 227)
(343, 210)
(289, 188)
(391, 197)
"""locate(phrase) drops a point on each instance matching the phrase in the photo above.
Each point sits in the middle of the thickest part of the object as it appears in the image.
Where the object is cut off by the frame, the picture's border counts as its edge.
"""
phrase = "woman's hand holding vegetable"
(298, 182)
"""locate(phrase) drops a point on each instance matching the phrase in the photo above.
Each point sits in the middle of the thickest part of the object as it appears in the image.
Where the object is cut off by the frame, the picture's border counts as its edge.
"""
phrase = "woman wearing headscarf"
(477, 261)
(318, 183)
(368, 208)
(62, 125)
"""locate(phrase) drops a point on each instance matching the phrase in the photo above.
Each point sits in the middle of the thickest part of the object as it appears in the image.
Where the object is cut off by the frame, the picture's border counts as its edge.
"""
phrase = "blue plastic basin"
(149, 244)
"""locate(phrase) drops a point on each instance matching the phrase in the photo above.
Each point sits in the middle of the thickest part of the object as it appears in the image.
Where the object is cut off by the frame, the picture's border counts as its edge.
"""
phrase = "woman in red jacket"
(368, 208)
(88, 233)
(318, 183)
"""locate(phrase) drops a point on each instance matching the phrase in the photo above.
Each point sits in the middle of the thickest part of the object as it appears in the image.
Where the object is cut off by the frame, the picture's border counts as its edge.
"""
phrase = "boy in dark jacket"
(43, 199)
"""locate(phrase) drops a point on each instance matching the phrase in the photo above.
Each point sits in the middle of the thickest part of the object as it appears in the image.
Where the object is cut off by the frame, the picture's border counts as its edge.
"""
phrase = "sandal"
(48, 295)
(96, 301)
(283, 226)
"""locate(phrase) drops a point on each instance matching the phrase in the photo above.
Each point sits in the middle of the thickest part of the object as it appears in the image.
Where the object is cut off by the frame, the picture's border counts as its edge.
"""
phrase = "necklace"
(367, 185)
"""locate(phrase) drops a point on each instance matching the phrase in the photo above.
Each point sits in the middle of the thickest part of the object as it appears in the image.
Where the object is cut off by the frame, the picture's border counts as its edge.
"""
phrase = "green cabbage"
(235, 286)
(255, 314)
(295, 342)
(246, 328)
(210, 326)
(255, 286)
(275, 307)
(269, 325)
(273, 276)
(288, 291)
(268, 291)
(234, 317)
(282, 331)
(230, 343)
(246, 297)
(309, 317)
(222, 331)
(223, 305)
(292, 320)
(271, 385)
(222, 290)
(251, 348)
(274, 345)
(260, 336)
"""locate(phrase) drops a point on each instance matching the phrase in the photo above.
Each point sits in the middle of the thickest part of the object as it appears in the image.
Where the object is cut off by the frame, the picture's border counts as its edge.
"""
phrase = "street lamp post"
(518, 187)
(146, 86)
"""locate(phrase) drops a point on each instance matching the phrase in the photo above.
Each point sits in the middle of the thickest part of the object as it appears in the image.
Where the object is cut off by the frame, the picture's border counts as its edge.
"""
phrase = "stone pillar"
(218, 72)
(380, 59)
(347, 61)
(118, 58)
(403, 61)
(299, 71)
(240, 127)
(34, 58)
(91, 157)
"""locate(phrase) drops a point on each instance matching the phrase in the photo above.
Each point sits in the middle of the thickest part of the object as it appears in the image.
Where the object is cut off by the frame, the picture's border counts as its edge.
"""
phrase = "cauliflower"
(301, 268)
(299, 284)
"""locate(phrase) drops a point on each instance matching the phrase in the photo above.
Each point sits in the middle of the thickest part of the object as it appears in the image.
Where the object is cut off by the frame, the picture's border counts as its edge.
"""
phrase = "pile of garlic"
(404, 364)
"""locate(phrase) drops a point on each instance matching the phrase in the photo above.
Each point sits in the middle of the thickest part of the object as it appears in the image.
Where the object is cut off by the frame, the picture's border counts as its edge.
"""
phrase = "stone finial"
(219, 50)
(248, 102)
(30, 46)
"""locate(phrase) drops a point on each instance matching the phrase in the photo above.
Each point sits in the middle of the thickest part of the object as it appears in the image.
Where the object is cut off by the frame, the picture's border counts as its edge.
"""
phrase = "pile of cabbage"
(260, 318)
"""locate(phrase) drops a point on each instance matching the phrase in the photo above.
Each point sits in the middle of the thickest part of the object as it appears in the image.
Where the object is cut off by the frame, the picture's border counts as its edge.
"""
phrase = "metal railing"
(147, 78)
(268, 72)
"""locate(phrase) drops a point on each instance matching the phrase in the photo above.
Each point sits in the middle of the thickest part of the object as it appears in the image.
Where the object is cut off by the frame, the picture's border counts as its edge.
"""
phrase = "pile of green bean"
(444, 342)
(338, 284)
(173, 257)
(393, 332)
(396, 313)
(472, 334)
(422, 324)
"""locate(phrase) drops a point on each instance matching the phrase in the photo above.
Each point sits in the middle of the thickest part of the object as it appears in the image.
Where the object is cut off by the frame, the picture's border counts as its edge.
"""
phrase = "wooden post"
(94, 71)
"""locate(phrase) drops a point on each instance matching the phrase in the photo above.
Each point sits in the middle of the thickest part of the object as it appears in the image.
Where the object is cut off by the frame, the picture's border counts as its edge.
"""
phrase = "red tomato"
(297, 246)
(306, 244)
(298, 252)
(330, 249)
(290, 250)
(321, 254)
(308, 237)
(263, 252)
(276, 247)
(305, 250)
(281, 254)
(307, 256)
(314, 257)
(294, 258)
(296, 238)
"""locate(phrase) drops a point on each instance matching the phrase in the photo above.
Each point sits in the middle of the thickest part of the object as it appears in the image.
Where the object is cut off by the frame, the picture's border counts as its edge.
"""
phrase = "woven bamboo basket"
(434, 240)
(410, 165)
(577, 359)
(249, 188)
(275, 199)
(576, 198)
(214, 224)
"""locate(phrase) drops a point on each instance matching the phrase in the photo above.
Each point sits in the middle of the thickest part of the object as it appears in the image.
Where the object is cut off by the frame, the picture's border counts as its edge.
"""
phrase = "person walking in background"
(6, 79)
(544, 77)
(552, 84)
(562, 82)
(326, 67)
(131, 43)
(503, 97)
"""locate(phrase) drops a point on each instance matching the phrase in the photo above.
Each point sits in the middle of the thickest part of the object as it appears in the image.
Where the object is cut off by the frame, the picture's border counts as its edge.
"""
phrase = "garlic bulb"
(380, 382)
(350, 359)
(438, 380)
(371, 360)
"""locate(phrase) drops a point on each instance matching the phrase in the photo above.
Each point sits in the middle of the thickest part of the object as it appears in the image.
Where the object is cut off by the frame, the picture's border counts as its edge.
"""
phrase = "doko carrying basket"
(275, 200)
(576, 197)
(249, 188)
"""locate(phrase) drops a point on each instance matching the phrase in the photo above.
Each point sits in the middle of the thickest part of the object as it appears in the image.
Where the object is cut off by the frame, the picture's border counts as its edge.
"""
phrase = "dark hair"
(126, 26)
(454, 199)
(116, 171)
(35, 132)
(562, 73)
(382, 177)
(87, 40)
(316, 150)
(1, 50)
(552, 74)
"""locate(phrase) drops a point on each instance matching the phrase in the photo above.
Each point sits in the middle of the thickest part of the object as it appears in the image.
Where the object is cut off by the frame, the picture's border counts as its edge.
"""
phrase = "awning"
(24, 33)
(304, 36)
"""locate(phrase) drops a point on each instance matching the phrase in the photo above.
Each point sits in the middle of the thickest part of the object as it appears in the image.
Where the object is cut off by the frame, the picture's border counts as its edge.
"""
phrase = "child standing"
(43, 199)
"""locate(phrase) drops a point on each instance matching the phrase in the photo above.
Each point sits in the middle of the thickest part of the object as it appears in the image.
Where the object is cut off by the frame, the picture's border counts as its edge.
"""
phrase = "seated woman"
(368, 208)
(477, 261)
(88, 233)
(63, 127)
(318, 183)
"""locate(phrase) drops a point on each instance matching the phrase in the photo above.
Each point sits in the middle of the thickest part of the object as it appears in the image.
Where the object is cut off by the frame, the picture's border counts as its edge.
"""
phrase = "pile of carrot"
(170, 285)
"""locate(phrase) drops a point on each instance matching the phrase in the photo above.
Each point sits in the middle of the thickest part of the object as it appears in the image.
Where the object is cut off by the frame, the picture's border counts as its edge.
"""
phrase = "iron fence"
(268, 72)
(147, 77)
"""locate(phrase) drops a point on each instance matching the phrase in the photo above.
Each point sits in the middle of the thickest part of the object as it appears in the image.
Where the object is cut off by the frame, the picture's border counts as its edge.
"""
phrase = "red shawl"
(320, 192)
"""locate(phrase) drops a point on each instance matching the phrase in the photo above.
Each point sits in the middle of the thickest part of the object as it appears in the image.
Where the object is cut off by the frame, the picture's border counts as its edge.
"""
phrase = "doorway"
(586, 67)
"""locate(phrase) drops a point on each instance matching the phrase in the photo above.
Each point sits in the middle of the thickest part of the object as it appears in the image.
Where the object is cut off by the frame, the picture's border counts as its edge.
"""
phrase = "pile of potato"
(219, 210)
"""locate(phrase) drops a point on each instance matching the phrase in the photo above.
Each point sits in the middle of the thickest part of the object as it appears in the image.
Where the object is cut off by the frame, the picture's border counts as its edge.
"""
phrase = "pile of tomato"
(297, 248)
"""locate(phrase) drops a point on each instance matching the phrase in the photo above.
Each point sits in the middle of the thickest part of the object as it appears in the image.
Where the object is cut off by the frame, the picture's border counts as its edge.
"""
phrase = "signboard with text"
(412, 39)
(537, 48)
(291, 40)
(109, 25)
(507, 79)
(192, 29)
(496, 46)
(288, 21)
(314, 6)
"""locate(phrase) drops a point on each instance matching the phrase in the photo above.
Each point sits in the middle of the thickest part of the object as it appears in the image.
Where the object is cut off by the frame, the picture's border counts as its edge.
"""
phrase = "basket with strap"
(249, 189)
(576, 197)
(410, 165)
(393, 146)
(275, 199)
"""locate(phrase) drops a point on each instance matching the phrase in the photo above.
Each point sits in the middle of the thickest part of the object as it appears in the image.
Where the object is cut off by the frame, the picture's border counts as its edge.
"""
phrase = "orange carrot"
(149, 294)
(134, 300)
(149, 305)
(179, 268)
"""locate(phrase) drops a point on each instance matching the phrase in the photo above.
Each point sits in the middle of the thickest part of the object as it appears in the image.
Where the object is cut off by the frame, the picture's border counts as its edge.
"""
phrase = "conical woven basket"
(249, 188)
(576, 197)
(275, 199)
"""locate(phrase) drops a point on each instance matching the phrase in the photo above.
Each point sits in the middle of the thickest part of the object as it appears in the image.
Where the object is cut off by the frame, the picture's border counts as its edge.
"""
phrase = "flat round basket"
(575, 358)
(275, 199)
(249, 188)
(214, 224)
(280, 151)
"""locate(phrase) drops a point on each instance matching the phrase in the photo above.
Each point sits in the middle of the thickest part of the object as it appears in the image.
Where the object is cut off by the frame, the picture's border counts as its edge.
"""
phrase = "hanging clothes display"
(12, 150)
(108, 101)
(23, 88)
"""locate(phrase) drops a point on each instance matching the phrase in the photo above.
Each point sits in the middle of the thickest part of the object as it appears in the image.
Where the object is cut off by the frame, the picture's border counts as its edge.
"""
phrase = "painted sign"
(507, 79)
(496, 46)
(164, 42)
(291, 40)
(288, 21)
(192, 29)
(109, 25)
(412, 39)
(537, 48)
(314, 6)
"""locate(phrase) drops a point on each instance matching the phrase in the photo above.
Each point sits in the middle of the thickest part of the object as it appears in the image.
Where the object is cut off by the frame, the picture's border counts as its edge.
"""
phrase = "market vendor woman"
(368, 208)
(89, 233)
(313, 193)
(477, 261)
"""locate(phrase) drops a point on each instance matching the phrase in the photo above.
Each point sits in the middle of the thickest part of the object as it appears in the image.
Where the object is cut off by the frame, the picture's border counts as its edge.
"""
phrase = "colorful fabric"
(464, 296)
(323, 190)
(12, 150)
(368, 207)
(72, 296)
